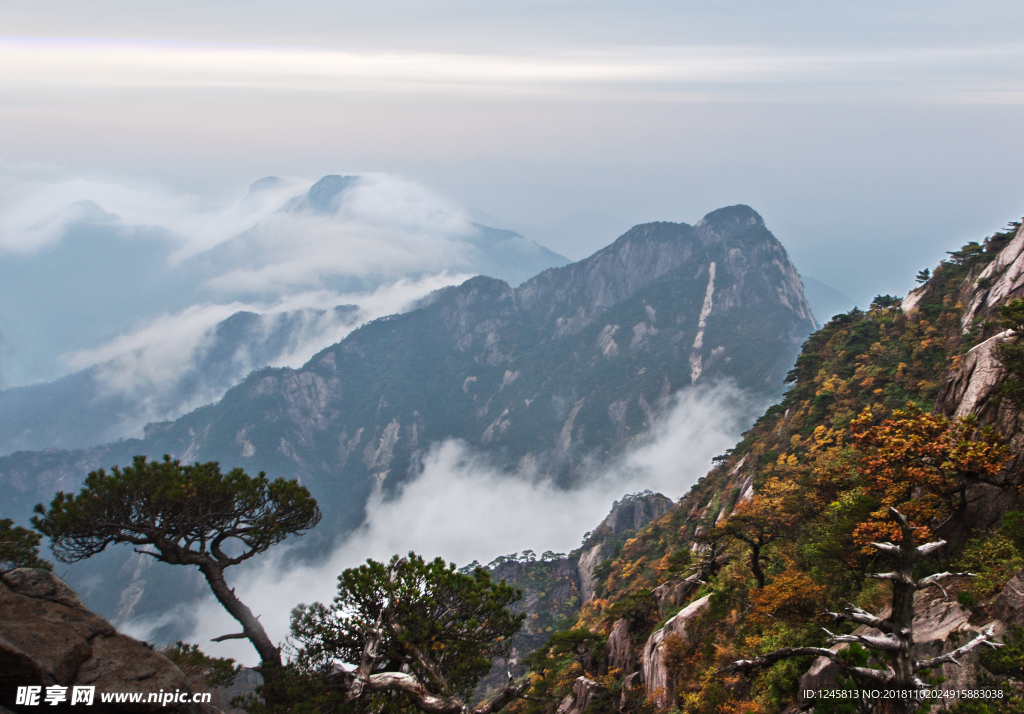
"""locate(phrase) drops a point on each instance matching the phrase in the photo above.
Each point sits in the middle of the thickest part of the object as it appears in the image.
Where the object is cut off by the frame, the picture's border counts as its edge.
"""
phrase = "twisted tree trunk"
(252, 630)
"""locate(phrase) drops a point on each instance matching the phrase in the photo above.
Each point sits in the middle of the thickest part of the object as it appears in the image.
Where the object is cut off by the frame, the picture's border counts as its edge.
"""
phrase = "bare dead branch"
(747, 665)
(886, 643)
(236, 636)
(862, 617)
(984, 638)
(934, 579)
(895, 577)
(882, 676)
(928, 548)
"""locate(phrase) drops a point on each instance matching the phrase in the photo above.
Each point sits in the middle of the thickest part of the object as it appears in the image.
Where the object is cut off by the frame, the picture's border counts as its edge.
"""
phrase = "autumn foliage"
(923, 465)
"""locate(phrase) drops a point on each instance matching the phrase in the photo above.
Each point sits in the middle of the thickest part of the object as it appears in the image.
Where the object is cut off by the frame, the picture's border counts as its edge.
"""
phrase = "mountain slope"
(574, 365)
(804, 479)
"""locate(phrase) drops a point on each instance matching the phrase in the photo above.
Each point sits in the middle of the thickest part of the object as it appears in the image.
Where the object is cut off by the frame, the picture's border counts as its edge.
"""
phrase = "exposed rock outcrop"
(626, 517)
(1000, 281)
(584, 693)
(630, 686)
(620, 648)
(675, 592)
(656, 674)
(1008, 606)
(48, 637)
(970, 387)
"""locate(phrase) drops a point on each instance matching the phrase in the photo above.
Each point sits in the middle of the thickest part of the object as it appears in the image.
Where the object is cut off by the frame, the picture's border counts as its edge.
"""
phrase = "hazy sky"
(872, 136)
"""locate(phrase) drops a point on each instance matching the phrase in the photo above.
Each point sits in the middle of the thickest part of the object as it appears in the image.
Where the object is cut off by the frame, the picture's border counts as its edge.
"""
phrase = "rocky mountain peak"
(730, 219)
(321, 195)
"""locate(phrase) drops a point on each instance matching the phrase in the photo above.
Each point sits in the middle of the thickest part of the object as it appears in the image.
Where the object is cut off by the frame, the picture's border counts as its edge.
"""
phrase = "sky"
(872, 136)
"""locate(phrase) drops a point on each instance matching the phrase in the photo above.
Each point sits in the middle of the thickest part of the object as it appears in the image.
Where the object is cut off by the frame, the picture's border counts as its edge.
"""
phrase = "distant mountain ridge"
(573, 366)
(88, 408)
(85, 408)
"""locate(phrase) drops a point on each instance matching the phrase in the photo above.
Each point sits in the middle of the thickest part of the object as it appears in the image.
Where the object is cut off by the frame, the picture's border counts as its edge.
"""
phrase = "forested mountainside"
(913, 404)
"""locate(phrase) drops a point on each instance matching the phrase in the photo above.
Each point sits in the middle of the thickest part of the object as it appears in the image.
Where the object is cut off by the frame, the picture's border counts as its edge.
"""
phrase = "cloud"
(463, 508)
(175, 362)
(37, 208)
(383, 228)
(667, 72)
(264, 252)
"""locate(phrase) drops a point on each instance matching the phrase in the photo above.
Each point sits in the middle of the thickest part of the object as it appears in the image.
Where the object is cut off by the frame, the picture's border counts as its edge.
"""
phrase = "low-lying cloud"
(178, 362)
(269, 248)
(463, 508)
(381, 228)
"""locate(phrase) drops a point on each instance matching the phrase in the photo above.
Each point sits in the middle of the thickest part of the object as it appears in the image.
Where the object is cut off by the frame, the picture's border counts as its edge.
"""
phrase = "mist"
(92, 270)
(177, 363)
(462, 508)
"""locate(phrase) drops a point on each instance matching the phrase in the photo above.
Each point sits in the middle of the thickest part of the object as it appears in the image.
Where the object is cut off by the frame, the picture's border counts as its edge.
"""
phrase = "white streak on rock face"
(605, 343)
(499, 425)
(696, 363)
(617, 413)
(565, 438)
(381, 456)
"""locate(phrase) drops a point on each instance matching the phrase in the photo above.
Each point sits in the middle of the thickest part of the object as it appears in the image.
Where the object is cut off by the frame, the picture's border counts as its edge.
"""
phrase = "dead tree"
(895, 644)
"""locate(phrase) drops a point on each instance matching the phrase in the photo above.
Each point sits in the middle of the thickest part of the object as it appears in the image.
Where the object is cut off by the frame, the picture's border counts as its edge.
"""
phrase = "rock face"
(626, 518)
(1008, 606)
(675, 592)
(553, 590)
(620, 648)
(573, 366)
(584, 693)
(47, 637)
(655, 671)
(970, 387)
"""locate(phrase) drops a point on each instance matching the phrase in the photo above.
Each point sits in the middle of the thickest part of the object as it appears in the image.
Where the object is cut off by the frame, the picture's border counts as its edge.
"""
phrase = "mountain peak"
(731, 217)
(321, 194)
(264, 183)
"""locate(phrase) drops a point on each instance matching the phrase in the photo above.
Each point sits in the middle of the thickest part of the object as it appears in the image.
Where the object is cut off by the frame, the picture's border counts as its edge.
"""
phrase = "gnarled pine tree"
(184, 515)
(418, 633)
